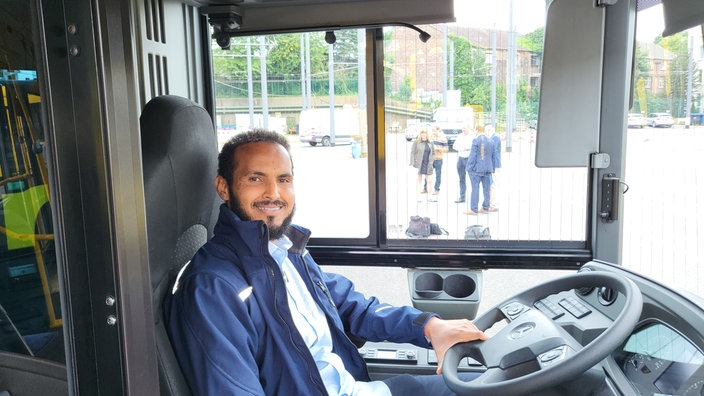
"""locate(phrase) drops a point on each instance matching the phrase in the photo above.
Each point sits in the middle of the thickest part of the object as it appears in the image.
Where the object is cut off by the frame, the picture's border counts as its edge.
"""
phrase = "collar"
(278, 249)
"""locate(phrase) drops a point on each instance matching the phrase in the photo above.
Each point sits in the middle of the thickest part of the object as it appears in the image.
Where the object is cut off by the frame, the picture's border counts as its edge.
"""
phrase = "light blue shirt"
(313, 326)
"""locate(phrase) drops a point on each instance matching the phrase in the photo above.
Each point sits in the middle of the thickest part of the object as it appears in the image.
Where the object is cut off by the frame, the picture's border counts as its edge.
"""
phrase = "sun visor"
(297, 15)
(681, 15)
(570, 85)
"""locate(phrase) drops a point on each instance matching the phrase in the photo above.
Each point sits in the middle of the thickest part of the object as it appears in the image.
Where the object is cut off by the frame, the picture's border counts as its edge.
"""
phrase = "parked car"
(664, 120)
(636, 120)
(413, 126)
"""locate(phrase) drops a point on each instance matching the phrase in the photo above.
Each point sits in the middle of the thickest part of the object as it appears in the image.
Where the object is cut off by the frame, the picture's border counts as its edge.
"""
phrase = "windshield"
(482, 74)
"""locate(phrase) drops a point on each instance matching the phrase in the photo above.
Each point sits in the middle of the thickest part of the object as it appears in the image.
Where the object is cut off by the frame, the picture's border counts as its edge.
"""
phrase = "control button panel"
(552, 356)
(513, 310)
(575, 307)
(389, 355)
(550, 309)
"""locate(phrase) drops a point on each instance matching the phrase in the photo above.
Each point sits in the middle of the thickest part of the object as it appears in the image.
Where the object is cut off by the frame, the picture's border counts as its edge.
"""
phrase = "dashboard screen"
(386, 354)
(658, 361)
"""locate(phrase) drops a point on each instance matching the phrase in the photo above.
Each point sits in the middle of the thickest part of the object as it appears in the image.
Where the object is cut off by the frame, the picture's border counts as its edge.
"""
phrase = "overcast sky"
(650, 24)
(492, 13)
(530, 14)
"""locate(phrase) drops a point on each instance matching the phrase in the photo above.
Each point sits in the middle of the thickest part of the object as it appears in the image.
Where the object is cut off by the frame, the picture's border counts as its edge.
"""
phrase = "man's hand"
(445, 333)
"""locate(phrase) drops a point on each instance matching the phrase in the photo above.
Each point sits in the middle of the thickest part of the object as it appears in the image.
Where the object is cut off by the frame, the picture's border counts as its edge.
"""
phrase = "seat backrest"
(179, 159)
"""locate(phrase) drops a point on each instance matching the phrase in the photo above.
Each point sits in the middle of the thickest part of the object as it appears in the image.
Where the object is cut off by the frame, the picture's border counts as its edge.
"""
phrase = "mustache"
(270, 202)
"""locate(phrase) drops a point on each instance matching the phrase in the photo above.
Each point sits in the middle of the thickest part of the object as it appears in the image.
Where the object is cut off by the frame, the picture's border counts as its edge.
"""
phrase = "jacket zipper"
(325, 291)
(290, 334)
(330, 321)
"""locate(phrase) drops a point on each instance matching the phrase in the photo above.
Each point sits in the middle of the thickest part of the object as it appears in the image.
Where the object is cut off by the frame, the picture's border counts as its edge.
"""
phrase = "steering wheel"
(533, 352)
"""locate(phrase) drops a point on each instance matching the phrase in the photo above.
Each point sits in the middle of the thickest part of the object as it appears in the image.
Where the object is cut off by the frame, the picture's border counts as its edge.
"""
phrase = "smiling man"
(254, 314)
(263, 179)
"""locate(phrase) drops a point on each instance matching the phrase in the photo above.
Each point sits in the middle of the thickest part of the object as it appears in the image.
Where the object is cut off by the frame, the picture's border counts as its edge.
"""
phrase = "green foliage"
(472, 74)
(404, 92)
(533, 41)
(283, 64)
(675, 96)
(527, 101)
(641, 74)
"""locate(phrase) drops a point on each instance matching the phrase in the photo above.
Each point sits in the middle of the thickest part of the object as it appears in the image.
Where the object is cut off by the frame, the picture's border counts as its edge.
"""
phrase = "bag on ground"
(477, 231)
(418, 227)
(435, 229)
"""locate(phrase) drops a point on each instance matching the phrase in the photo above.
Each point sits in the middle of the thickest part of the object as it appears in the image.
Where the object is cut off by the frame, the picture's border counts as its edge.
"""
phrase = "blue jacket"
(496, 141)
(481, 157)
(229, 342)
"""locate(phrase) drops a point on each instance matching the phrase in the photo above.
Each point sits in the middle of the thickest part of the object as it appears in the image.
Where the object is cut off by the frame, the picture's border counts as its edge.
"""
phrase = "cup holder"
(459, 286)
(445, 285)
(428, 285)
(450, 293)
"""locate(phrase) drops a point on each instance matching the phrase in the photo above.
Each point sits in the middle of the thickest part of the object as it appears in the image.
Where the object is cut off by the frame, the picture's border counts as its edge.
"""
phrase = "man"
(480, 166)
(254, 314)
(462, 145)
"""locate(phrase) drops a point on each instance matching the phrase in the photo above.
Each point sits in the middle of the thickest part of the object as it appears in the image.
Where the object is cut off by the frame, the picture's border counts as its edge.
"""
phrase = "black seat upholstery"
(179, 154)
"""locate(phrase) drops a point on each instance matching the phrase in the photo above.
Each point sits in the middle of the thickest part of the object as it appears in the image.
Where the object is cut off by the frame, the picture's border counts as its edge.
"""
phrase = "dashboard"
(657, 360)
(662, 355)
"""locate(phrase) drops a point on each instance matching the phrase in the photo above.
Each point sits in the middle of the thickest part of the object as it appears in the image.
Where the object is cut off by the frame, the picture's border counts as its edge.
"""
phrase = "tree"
(345, 56)
(641, 75)
(472, 74)
(528, 101)
(283, 63)
(678, 72)
(533, 41)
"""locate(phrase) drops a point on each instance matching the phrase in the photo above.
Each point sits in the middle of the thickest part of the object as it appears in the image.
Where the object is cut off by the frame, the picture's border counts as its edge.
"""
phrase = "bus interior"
(586, 267)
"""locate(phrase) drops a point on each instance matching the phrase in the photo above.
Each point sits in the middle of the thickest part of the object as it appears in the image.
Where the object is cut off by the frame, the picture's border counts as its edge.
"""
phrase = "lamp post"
(688, 101)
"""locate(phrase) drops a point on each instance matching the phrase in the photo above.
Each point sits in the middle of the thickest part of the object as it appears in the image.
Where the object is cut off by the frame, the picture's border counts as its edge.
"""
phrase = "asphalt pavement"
(663, 212)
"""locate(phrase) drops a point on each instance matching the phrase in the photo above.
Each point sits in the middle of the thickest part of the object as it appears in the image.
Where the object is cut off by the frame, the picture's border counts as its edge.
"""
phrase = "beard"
(275, 232)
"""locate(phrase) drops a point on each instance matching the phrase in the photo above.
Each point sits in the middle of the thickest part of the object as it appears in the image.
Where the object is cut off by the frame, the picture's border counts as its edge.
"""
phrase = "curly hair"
(227, 161)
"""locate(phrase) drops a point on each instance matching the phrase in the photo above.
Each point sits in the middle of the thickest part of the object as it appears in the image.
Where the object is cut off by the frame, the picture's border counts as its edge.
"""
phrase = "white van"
(314, 125)
(451, 120)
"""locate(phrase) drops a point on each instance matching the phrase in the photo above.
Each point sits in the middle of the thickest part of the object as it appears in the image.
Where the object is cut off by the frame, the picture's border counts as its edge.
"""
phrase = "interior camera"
(330, 37)
(223, 41)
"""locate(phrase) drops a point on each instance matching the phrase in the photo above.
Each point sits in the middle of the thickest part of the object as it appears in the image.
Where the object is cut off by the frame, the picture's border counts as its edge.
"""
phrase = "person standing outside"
(440, 144)
(253, 313)
(462, 145)
(496, 141)
(422, 155)
(480, 166)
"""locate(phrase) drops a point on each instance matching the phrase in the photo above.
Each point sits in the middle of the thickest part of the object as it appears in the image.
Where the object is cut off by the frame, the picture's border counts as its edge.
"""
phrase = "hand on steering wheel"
(533, 352)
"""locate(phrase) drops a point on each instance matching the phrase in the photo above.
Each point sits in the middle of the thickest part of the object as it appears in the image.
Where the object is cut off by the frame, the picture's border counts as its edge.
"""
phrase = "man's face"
(262, 186)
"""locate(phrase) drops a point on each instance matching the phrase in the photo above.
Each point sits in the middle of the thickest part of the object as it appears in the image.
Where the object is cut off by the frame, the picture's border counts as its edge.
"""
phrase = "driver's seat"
(179, 159)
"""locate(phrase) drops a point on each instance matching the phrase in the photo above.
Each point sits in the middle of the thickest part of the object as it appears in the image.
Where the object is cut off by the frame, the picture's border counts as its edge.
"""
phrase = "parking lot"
(663, 213)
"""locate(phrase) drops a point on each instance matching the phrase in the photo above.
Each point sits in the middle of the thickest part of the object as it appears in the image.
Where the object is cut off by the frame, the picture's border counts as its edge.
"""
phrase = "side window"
(667, 90)
(30, 316)
(313, 93)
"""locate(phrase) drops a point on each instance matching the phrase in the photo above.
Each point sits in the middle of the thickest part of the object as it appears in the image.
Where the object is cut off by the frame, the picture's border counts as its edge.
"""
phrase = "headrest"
(179, 159)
